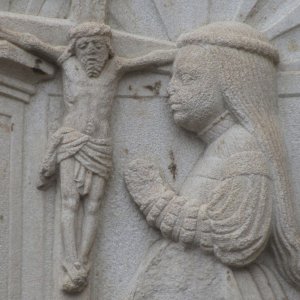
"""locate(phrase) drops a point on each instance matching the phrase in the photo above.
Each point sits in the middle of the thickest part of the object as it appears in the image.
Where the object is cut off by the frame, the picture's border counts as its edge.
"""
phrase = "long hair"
(249, 86)
(247, 75)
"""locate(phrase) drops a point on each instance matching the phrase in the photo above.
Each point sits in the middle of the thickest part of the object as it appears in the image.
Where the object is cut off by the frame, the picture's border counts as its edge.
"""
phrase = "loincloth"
(92, 156)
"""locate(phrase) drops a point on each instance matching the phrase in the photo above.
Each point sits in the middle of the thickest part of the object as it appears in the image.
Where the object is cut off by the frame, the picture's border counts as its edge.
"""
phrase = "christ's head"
(90, 42)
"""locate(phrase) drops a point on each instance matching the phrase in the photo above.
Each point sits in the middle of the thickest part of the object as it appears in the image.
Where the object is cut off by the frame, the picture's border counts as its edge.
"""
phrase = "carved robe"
(222, 221)
(92, 156)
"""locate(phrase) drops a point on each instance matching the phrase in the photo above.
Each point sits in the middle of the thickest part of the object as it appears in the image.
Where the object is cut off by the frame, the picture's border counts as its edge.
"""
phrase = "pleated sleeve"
(235, 225)
(235, 222)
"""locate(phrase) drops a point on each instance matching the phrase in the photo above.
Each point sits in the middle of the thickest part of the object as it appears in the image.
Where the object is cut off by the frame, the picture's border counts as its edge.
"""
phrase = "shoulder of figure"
(246, 163)
(70, 63)
(118, 62)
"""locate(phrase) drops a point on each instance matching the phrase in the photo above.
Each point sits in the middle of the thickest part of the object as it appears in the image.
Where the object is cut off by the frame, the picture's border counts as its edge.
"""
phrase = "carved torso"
(88, 101)
(207, 172)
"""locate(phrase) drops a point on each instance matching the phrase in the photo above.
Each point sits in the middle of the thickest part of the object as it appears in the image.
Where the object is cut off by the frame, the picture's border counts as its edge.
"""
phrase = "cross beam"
(56, 31)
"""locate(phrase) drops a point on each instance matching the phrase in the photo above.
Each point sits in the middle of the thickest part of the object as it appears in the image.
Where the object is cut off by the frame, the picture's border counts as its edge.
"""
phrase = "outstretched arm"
(156, 58)
(31, 43)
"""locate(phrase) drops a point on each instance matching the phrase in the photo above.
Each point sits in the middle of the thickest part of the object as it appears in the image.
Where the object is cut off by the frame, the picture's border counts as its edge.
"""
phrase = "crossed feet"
(75, 278)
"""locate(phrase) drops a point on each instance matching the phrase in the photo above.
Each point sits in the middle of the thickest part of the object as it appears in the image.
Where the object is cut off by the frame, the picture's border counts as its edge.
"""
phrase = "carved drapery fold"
(234, 225)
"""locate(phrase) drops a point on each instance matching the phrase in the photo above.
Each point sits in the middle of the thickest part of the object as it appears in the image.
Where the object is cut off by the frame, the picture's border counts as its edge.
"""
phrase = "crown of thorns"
(89, 29)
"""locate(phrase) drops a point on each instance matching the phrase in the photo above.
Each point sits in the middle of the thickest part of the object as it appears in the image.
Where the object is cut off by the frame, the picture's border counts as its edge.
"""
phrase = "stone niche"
(164, 255)
(20, 74)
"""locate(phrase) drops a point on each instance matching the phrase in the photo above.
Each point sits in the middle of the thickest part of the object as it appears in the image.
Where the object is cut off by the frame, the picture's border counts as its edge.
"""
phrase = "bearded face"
(93, 53)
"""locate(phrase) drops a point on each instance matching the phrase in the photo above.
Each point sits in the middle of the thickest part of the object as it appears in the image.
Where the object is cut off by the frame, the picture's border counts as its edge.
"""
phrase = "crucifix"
(80, 151)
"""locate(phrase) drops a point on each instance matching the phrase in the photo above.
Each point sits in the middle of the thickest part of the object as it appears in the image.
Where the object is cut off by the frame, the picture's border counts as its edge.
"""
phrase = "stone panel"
(11, 113)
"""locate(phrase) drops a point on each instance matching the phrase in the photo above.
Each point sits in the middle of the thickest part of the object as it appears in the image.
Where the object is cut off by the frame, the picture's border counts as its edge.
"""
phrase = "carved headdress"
(233, 35)
(247, 76)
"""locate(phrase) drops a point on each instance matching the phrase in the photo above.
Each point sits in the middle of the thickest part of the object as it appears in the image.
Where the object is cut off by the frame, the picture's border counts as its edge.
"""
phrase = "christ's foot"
(75, 279)
(69, 286)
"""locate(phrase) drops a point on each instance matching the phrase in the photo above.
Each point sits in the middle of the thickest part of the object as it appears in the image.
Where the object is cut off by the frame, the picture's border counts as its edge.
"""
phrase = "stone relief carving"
(81, 149)
(218, 230)
(237, 200)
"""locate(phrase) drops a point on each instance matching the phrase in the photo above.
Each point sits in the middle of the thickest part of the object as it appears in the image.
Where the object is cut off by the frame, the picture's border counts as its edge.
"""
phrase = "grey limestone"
(87, 84)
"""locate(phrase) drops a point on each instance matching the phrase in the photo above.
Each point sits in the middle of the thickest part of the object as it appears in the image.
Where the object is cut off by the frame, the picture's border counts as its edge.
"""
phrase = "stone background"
(142, 126)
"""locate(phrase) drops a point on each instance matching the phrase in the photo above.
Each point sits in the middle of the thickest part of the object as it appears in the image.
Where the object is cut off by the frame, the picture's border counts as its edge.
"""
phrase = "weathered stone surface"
(129, 259)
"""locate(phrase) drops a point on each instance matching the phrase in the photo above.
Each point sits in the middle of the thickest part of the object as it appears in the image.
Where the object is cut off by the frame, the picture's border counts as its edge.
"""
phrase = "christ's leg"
(70, 205)
(90, 219)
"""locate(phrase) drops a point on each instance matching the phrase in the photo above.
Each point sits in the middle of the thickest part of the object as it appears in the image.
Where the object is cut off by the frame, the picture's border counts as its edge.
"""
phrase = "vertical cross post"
(88, 10)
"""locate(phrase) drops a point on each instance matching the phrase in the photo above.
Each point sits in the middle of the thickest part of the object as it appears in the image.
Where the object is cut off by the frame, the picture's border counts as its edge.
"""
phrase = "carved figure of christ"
(82, 146)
